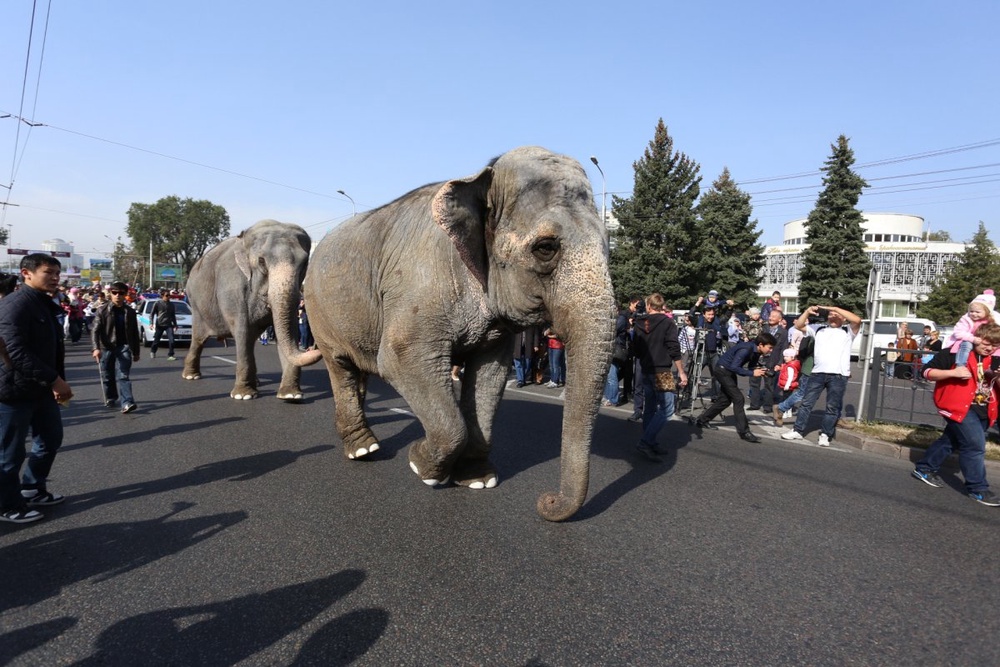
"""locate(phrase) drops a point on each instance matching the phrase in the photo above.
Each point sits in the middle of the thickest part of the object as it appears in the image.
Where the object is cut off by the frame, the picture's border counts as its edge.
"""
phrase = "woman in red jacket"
(966, 396)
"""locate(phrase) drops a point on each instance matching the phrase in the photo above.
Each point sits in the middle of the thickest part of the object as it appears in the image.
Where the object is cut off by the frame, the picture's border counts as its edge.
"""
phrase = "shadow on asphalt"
(234, 470)
(67, 557)
(228, 632)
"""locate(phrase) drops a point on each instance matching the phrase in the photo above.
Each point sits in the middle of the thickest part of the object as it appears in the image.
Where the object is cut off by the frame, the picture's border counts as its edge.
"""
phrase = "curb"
(882, 448)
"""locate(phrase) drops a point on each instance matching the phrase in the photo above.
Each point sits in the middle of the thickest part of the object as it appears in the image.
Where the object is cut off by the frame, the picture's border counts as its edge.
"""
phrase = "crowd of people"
(788, 368)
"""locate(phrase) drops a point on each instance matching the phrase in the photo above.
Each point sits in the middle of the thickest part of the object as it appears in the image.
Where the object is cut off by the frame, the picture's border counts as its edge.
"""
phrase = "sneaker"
(606, 403)
(152, 355)
(551, 385)
(787, 414)
(171, 358)
(109, 403)
(36, 498)
(648, 453)
(20, 516)
(928, 478)
(128, 407)
(985, 497)
(791, 435)
(824, 440)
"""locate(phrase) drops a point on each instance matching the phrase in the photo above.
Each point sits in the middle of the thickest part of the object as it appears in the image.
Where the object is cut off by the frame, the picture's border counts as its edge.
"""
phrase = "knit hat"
(789, 353)
(987, 298)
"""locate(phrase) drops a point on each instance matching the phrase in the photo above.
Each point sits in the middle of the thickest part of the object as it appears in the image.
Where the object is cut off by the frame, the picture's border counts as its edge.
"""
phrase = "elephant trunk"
(584, 318)
(283, 293)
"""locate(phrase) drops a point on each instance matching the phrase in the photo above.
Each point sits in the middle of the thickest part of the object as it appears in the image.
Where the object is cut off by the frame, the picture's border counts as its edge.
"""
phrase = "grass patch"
(913, 436)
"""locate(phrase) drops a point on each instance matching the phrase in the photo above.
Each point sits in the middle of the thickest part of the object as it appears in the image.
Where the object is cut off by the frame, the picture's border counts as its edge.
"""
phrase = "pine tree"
(656, 243)
(731, 257)
(835, 269)
(976, 269)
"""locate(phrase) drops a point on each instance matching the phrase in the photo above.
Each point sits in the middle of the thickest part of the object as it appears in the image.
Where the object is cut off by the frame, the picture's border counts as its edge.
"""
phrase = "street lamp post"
(354, 209)
(604, 192)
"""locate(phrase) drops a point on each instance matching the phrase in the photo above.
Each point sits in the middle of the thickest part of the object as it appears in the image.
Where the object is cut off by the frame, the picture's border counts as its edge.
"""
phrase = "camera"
(770, 372)
(822, 314)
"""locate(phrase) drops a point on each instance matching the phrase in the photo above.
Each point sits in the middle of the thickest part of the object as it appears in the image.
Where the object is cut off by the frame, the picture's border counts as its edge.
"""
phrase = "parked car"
(147, 328)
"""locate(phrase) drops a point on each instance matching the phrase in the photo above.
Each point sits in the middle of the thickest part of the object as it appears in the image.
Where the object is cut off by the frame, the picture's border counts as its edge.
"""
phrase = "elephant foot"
(291, 395)
(360, 452)
(475, 474)
(431, 472)
(243, 393)
(191, 375)
(428, 482)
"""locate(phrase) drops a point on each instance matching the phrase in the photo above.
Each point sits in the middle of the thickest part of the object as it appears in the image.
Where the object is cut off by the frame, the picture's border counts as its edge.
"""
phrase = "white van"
(886, 330)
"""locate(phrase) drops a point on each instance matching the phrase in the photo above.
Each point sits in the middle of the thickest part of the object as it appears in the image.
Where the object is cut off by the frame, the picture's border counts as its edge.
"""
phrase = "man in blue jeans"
(832, 339)
(31, 387)
(966, 396)
(659, 353)
(115, 341)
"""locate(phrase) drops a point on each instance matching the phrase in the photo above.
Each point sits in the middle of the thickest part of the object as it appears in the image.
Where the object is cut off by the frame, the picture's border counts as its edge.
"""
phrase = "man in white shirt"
(833, 336)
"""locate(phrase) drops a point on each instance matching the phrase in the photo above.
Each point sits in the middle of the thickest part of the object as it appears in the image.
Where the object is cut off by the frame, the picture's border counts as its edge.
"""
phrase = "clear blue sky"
(269, 108)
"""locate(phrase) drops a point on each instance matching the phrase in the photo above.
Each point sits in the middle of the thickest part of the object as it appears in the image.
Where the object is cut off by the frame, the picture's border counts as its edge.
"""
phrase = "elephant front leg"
(289, 389)
(482, 390)
(245, 387)
(423, 379)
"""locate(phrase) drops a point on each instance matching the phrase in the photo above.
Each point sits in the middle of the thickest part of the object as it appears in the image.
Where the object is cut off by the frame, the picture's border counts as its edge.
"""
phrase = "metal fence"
(903, 398)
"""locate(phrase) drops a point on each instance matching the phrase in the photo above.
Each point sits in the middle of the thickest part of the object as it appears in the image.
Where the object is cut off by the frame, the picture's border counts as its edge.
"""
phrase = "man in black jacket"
(659, 353)
(164, 319)
(115, 340)
(740, 359)
(31, 388)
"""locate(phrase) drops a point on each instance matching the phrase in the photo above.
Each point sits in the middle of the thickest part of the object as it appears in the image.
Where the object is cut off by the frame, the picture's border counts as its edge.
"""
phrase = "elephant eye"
(545, 249)
(262, 264)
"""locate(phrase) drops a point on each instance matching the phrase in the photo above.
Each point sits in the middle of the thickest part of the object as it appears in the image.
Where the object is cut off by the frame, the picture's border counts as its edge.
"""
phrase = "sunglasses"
(115, 292)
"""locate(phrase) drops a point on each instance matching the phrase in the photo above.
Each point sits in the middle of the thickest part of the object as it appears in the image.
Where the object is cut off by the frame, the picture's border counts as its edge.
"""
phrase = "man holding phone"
(832, 336)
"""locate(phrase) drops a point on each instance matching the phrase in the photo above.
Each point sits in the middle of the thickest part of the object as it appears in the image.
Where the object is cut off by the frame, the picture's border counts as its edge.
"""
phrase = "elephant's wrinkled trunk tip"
(557, 507)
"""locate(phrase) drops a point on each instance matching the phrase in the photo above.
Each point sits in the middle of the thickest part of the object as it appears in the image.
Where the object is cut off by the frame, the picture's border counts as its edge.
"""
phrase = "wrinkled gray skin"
(239, 288)
(448, 274)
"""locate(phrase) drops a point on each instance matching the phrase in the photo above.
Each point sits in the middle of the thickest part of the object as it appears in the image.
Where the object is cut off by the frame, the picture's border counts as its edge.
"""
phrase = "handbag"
(664, 381)
(620, 353)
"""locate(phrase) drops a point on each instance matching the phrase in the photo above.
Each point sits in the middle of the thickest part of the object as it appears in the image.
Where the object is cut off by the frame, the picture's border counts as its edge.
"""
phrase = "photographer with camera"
(833, 335)
(740, 359)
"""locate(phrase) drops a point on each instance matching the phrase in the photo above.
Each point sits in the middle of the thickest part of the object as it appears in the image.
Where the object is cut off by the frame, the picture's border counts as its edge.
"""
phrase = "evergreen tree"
(731, 258)
(656, 243)
(835, 268)
(976, 269)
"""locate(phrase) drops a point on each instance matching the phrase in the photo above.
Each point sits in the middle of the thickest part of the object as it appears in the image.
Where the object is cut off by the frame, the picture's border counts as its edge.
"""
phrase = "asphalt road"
(205, 531)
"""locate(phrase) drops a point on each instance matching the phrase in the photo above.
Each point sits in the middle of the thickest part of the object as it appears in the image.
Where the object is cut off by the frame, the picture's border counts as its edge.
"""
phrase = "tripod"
(696, 364)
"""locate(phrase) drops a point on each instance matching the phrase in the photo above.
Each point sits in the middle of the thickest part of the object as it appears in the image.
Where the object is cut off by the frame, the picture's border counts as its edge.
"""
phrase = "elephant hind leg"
(192, 361)
(349, 386)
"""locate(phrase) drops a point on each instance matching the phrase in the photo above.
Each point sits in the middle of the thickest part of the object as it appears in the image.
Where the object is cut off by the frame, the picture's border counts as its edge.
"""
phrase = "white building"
(894, 243)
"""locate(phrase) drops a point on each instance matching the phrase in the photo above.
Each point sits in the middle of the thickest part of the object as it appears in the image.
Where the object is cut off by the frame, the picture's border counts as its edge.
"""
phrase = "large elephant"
(447, 274)
(244, 285)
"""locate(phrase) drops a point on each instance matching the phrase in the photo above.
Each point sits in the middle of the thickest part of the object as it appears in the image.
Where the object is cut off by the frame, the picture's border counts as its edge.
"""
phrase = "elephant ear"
(242, 258)
(461, 209)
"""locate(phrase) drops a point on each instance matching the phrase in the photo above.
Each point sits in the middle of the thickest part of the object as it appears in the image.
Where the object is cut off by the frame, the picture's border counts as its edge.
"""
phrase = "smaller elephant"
(241, 287)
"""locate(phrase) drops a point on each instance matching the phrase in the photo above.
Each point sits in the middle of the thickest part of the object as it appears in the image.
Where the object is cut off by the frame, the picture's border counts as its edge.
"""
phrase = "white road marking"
(227, 360)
